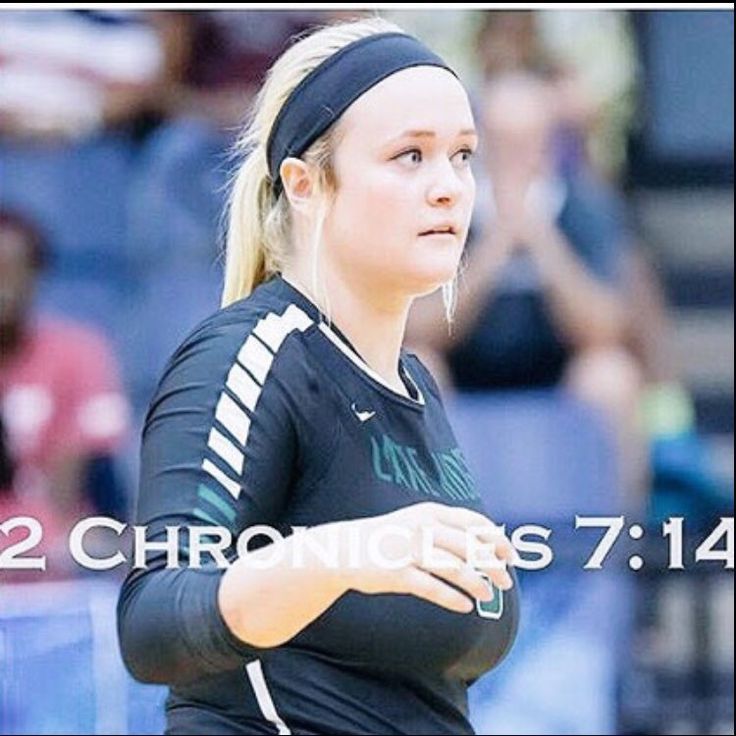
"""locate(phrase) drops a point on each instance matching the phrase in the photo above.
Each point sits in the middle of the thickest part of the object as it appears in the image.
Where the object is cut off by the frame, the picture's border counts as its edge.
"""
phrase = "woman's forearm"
(267, 603)
(588, 312)
(176, 625)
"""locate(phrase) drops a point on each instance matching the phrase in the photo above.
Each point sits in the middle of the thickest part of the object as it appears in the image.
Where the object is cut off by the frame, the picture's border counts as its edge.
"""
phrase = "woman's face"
(402, 164)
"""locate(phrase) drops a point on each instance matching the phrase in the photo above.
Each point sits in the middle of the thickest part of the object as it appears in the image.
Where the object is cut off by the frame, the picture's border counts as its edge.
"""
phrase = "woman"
(295, 406)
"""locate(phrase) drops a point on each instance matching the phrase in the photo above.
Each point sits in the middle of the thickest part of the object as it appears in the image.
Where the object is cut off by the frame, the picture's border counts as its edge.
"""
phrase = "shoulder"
(246, 343)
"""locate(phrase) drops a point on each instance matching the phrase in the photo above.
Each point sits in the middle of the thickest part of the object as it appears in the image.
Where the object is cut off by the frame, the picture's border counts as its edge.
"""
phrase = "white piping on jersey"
(233, 418)
(256, 357)
(243, 386)
(355, 358)
(232, 487)
(270, 330)
(263, 696)
(226, 450)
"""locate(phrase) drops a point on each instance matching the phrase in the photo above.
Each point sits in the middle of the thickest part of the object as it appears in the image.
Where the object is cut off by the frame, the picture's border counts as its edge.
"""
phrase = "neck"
(373, 325)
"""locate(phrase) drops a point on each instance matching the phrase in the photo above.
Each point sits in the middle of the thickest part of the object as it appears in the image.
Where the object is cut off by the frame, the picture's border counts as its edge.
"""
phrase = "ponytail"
(258, 221)
(248, 261)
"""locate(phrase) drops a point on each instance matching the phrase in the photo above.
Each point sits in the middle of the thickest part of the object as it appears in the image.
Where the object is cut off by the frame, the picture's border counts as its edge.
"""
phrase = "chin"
(437, 270)
(421, 284)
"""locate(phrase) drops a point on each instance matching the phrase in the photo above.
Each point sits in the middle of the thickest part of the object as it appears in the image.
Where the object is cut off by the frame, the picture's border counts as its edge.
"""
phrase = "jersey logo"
(490, 609)
(434, 473)
(364, 416)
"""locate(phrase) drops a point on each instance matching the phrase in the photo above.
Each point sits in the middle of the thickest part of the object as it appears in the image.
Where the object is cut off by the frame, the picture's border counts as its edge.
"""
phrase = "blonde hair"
(258, 223)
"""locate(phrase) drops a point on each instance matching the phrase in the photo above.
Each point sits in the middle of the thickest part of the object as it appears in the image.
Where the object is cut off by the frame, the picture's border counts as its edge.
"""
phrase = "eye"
(464, 155)
(411, 155)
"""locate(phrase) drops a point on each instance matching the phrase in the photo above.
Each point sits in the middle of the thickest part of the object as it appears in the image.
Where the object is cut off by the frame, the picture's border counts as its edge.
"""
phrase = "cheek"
(374, 212)
(373, 230)
(386, 199)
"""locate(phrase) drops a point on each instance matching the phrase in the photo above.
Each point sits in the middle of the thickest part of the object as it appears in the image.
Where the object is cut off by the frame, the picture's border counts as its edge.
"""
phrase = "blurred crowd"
(115, 134)
(116, 127)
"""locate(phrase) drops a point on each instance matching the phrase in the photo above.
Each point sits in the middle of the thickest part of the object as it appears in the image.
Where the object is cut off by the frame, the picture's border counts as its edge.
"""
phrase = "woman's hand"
(436, 552)
(428, 550)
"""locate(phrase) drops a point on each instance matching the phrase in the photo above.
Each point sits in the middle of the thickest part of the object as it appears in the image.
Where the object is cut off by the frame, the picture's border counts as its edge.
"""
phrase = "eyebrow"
(431, 133)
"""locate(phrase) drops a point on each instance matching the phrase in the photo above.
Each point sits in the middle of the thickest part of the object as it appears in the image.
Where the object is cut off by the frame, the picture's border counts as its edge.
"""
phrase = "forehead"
(422, 98)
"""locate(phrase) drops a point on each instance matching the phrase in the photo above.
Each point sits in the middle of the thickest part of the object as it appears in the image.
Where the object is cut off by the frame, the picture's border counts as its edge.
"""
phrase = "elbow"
(137, 654)
(146, 663)
(143, 670)
(139, 641)
(168, 628)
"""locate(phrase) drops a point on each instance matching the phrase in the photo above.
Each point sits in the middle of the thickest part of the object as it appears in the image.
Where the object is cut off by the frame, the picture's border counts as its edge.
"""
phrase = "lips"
(440, 230)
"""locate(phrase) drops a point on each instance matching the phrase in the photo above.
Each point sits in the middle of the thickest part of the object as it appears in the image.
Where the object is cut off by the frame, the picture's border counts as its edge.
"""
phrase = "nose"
(445, 187)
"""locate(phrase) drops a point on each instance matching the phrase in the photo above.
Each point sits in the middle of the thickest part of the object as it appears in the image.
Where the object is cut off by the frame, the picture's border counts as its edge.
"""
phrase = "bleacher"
(61, 668)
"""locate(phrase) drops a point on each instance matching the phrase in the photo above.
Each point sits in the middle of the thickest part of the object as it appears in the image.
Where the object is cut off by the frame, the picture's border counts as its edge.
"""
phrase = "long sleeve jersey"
(267, 415)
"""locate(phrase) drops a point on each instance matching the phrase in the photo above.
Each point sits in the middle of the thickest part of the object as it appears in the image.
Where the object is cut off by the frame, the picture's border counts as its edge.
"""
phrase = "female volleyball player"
(295, 406)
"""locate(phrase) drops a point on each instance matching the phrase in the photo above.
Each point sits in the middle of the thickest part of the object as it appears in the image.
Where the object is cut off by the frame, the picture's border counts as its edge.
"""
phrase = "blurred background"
(590, 369)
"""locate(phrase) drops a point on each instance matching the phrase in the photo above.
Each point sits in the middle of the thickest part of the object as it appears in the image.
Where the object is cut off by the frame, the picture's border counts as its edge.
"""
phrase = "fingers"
(424, 585)
(454, 570)
(473, 522)
(457, 516)
(505, 550)
(492, 558)
(457, 552)
(471, 551)
(500, 578)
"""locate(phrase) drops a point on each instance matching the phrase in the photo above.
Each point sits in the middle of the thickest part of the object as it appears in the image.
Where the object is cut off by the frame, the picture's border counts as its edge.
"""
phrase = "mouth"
(440, 230)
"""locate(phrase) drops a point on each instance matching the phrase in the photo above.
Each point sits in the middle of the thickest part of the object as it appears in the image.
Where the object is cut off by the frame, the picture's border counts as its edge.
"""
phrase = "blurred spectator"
(509, 41)
(68, 73)
(176, 195)
(683, 482)
(588, 127)
(540, 302)
(63, 410)
(218, 58)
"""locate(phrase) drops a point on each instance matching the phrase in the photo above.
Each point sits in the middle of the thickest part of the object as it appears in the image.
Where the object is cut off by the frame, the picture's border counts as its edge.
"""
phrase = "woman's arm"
(589, 312)
(211, 455)
(177, 625)
(269, 605)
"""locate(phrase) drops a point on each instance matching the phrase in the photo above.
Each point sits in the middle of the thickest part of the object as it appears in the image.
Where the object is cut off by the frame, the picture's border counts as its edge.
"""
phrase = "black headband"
(330, 88)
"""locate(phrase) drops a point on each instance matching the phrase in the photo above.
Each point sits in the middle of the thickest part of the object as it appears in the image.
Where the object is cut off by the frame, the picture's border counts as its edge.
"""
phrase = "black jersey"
(267, 415)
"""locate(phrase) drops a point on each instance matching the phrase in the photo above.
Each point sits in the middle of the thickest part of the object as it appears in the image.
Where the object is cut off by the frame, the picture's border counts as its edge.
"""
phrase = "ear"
(298, 183)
